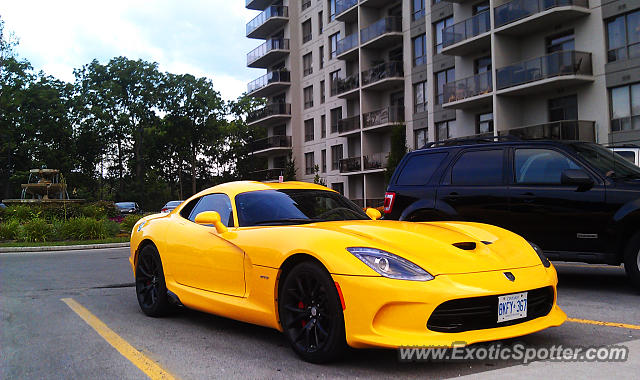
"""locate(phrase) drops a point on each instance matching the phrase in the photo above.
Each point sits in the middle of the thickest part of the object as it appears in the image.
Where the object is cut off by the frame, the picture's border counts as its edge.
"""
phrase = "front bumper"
(382, 312)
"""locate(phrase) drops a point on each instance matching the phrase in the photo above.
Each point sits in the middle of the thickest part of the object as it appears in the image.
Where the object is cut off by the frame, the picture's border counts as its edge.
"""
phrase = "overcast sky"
(200, 37)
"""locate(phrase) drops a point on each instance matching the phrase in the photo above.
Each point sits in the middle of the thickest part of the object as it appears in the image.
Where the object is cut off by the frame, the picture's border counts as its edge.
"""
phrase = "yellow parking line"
(600, 323)
(146, 365)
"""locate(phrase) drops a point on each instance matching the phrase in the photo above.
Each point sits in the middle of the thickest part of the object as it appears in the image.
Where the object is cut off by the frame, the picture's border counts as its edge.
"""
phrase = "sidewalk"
(62, 248)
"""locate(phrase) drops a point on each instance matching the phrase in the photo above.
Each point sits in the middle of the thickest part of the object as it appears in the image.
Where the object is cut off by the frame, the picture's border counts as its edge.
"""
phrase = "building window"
(421, 137)
(336, 156)
(418, 10)
(338, 186)
(480, 7)
(320, 23)
(419, 97)
(321, 55)
(307, 64)
(306, 31)
(563, 108)
(439, 28)
(333, 43)
(420, 50)
(484, 123)
(322, 92)
(323, 126)
(443, 130)
(623, 37)
(625, 108)
(442, 78)
(280, 162)
(335, 115)
(323, 157)
(561, 42)
(308, 97)
(309, 163)
(306, 4)
(308, 130)
(482, 65)
(332, 10)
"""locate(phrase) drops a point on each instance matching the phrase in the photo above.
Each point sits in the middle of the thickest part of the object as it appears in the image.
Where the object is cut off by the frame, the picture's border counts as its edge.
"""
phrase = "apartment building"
(343, 74)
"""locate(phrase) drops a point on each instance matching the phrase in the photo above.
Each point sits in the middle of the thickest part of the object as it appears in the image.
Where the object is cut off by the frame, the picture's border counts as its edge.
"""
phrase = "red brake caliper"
(301, 306)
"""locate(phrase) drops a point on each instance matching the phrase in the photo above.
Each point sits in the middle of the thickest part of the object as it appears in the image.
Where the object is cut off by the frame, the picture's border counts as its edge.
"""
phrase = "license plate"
(512, 306)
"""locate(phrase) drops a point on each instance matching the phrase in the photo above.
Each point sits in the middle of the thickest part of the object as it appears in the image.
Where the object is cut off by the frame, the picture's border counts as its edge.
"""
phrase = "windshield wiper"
(287, 221)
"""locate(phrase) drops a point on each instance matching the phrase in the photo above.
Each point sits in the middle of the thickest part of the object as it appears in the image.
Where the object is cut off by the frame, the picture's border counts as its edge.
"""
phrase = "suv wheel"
(632, 260)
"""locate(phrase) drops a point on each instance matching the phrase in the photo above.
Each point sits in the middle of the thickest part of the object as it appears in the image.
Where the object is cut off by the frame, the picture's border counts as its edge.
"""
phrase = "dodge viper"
(305, 260)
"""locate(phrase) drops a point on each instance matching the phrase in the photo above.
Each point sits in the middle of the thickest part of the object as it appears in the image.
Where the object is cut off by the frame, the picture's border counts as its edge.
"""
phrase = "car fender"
(626, 222)
(432, 206)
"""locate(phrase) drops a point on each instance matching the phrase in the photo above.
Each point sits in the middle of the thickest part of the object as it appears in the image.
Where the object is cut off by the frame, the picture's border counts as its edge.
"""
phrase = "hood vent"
(466, 245)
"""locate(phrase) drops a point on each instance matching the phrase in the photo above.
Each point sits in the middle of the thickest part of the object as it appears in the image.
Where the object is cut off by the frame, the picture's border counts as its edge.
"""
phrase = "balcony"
(469, 92)
(383, 117)
(267, 174)
(350, 165)
(547, 72)
(346, 88)
(382, 33)
(347, 47)
(267, 22)
(270, 83)
(383, 76)
(376, 161)
(346, 10)
(268, 53)
(468, 36)
(271, 143)
(525, 16)
(349, 125)
(580, 130)
(272, 112)
(258, 5)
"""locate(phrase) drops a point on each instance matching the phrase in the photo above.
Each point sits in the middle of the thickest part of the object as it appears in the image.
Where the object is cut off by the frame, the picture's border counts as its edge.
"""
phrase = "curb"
(62, 248)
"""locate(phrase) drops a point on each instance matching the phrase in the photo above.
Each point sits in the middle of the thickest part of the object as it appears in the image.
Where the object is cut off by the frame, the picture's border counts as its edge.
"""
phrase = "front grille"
(482, 312)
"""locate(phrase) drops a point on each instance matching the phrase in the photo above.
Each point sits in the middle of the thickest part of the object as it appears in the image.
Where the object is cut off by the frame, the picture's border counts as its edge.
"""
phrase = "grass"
(63, 243)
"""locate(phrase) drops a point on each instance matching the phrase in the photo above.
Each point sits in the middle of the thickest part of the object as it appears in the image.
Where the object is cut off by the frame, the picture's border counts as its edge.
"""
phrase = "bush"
(129, 221)
(9, 230)
(111, 227)
(92, 211)
(36, 230)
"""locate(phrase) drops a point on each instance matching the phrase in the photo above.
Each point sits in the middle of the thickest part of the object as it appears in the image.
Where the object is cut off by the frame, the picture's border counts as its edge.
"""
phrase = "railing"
(383, 116)
(471, 27)
(348, 165)
(282, 76)
(625, 123)
(269, 110)
(581, 130)
(343, 5)
(347, 43)
(518, 9)
(567, 62)
(272, 11)
(349, 124)
(465, 88)
(342, 85)
(267, 174)
(262, 50)
(271, 142)
(382, 71)
(380, 27)
(376, 161)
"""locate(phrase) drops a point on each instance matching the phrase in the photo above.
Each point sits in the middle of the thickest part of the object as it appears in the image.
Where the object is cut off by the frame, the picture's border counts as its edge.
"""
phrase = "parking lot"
(42, 336)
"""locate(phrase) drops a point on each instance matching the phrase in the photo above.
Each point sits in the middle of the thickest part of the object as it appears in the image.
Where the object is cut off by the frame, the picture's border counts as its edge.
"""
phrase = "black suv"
(578, 201)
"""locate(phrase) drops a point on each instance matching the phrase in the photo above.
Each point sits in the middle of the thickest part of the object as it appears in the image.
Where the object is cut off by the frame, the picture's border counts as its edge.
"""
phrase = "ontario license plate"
(512, 306)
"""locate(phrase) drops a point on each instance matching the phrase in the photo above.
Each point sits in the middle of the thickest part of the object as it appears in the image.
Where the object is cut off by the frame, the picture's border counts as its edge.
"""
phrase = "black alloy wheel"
(632, 260)
(311, 313)
(150, 286)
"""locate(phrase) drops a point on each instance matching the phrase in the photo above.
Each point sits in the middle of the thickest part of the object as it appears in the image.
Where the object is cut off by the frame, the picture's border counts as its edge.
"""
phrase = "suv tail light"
(164, 210)
(389, 197)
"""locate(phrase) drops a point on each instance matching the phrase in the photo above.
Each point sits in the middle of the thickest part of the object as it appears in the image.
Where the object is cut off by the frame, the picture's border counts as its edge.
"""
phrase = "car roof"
(463, 144)
(234, 188)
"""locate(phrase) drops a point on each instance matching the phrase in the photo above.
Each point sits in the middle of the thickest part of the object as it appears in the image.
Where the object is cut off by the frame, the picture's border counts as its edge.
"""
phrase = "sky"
(199, 37)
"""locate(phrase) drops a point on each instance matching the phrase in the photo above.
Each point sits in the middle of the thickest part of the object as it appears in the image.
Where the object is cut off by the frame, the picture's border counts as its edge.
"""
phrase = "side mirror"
(573, 177)
(211, 217)
(373, 213)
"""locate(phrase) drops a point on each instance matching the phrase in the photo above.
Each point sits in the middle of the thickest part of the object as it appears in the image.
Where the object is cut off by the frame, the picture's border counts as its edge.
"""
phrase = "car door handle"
(453, 196)
(528, 197)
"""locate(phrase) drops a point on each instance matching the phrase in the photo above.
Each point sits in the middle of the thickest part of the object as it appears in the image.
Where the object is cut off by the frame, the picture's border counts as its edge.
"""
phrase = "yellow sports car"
(305, 260)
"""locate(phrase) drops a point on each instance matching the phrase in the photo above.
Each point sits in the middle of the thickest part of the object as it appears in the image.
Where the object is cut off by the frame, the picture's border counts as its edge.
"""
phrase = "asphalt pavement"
(42, 337)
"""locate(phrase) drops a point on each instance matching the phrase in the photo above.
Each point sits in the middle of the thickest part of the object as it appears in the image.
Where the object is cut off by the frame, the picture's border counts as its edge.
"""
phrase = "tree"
(398, 150)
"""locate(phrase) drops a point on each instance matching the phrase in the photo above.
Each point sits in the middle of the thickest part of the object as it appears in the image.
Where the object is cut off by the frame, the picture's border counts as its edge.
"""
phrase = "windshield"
(295, 206)
(125, 205)
(607, 161)
(173, 204)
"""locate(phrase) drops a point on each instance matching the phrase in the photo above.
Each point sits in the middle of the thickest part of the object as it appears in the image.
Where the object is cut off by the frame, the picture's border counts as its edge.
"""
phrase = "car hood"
(430, 245)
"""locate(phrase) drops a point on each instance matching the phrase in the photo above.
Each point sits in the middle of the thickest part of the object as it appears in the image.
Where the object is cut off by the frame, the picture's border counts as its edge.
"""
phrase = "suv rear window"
(479, 167)
(419, 169)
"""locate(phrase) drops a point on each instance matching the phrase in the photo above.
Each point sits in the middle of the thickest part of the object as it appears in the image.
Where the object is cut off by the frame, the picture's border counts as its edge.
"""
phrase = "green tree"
(398, 150)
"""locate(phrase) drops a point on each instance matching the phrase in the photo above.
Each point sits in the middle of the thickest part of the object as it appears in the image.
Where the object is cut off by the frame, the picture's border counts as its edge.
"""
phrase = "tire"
(311, 313)
(632, 260)
(151, 289)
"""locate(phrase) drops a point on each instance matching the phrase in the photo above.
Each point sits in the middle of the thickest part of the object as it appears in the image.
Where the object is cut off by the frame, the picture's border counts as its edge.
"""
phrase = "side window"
(215, 202)
(186, 210)
(419, 169)
(541, 166)
(627, 154)
(479, 168)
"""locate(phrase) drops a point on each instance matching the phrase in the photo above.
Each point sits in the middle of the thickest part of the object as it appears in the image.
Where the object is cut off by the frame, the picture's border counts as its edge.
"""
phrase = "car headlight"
(389, 265)
(541, 255)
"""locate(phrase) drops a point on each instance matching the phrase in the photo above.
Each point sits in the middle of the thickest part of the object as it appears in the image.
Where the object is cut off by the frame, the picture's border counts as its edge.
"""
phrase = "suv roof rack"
(471, 140)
